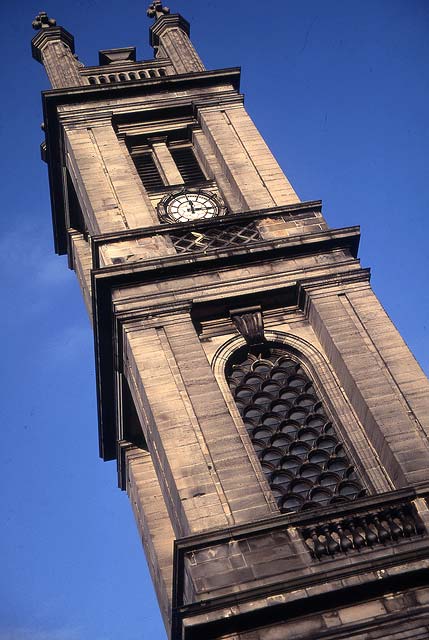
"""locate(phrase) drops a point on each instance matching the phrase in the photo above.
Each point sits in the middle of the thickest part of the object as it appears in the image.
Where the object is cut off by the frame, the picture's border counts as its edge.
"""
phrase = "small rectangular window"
(148, 171)
(187, 164)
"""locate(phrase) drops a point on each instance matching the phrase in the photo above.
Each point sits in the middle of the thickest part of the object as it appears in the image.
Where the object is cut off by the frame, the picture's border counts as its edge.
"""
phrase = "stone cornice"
(296, 210)
(320, 285)
(45, 36)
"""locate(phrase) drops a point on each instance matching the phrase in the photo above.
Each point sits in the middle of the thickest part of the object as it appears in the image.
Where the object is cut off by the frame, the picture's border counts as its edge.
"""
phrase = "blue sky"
(340, 92)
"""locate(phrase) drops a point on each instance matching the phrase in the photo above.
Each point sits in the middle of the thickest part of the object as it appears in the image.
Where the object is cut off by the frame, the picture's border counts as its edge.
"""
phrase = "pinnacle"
(42, 21)
(157, 10)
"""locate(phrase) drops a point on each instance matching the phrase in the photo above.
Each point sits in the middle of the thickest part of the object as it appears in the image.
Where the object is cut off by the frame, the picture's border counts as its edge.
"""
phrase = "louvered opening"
(187, 164)
(148, 172)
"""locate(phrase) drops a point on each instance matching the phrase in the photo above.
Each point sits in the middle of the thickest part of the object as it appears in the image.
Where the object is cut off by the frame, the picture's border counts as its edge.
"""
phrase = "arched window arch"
(291, 429)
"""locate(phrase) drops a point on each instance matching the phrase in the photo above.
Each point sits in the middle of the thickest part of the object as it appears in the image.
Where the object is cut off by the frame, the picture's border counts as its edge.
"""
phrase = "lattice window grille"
(300, 452)
(219, 238)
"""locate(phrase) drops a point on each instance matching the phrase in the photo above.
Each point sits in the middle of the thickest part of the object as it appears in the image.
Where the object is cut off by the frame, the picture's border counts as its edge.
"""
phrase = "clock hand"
(190, 203)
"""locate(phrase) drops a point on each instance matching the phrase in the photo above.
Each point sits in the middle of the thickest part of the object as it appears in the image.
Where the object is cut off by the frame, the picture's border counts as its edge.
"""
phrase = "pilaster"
(111, 192)
(356, 351)
(205, 471)
(245, 159)
(153, 524)
(81, 262)
(393, 354)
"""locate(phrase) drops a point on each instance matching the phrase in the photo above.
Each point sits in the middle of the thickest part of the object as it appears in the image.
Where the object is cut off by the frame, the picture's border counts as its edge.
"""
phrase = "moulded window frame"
(328, 389)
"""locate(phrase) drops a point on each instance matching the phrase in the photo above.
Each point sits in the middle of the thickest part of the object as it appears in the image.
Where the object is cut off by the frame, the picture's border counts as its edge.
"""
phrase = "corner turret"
(53, 47)
(169, 36)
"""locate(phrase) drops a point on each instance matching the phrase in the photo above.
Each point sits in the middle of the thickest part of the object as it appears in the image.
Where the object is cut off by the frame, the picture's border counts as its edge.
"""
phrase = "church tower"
(269, 424)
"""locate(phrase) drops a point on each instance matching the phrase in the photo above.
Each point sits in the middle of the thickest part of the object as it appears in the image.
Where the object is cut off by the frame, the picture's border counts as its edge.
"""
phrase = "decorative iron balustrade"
(380, 526)
(221, 237)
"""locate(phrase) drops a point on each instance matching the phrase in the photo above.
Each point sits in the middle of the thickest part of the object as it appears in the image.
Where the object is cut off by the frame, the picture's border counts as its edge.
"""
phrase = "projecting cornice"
(51, 34)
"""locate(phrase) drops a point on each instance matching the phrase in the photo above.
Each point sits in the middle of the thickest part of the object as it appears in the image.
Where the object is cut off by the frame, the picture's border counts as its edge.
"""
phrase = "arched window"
(297, 443)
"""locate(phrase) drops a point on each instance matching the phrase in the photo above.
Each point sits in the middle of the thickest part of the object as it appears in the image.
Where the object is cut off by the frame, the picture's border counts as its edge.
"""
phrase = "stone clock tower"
(269, 424)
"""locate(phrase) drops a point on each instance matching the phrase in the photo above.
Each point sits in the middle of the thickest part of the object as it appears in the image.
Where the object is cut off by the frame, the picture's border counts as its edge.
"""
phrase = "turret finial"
(156, 10)
(42, 21)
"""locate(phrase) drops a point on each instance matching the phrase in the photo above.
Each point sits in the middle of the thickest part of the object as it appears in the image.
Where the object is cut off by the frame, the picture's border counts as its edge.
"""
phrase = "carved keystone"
(250, 323)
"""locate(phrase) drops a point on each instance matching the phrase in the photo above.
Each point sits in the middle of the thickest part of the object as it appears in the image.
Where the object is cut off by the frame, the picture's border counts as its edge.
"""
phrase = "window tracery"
(297, 444)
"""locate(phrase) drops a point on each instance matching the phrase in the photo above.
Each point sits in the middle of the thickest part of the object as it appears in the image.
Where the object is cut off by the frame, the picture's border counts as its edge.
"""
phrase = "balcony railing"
(373, 527)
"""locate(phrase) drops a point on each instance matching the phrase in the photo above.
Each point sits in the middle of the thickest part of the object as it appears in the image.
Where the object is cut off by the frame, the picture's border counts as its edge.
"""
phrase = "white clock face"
(188, 206)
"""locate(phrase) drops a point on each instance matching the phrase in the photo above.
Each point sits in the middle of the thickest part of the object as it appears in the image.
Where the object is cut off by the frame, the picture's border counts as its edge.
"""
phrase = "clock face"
(189, 205)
